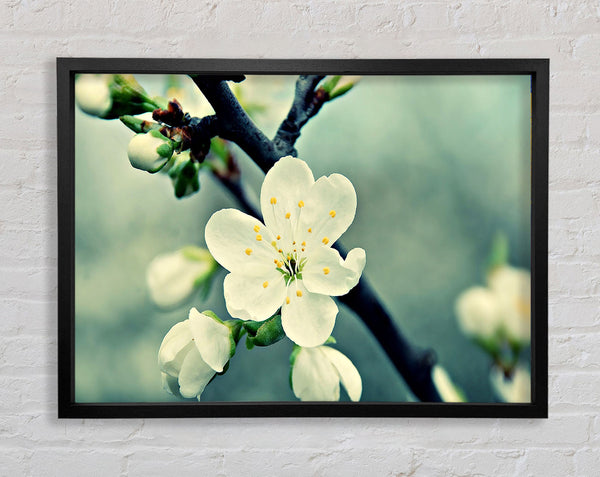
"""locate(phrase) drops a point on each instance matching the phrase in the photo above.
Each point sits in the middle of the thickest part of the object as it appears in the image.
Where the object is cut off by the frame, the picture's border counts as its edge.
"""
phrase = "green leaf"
(499, 253)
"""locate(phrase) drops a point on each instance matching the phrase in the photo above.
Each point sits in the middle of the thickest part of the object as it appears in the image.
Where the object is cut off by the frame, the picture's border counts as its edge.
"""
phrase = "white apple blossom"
(288, 261)
(504, 306)
(317, 372)
(173, 277)
(192, 352)
(516, 388)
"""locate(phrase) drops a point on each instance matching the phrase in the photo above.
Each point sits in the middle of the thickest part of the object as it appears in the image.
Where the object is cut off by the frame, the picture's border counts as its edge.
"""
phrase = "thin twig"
(413, 363)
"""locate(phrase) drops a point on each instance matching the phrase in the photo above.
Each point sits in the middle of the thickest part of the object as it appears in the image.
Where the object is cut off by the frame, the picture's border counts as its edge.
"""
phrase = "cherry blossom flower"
(288, 261)
(192, 352)
(504, 306)
(317, 372)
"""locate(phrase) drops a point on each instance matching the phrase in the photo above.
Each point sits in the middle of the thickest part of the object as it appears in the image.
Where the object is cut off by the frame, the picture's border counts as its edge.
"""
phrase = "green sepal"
(184, 174)
(213, 315)
(341, 91)
(267, 333)
(330, 340)
(237, 329)
(128, 97)
(138, 125)
(165, 150)
(330, 83)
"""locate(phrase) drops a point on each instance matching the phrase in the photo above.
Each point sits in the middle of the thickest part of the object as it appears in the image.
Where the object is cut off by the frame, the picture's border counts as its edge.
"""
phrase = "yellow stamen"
(295, 250)
(289, 258)
(303, 250)
(304, 244)
(332, 213)
(275, 261)
(256, 228)
(301, 204)
(279, 264)
(280, 251)
(258, 237)
(326, 270)
(287, 300)
(265, 285)
(248, 251)
(288, 215)
(294, 242)
(309, 231)
(298, 293)
(274, 243)
(325, 240)
(273, 200)
(279, 237)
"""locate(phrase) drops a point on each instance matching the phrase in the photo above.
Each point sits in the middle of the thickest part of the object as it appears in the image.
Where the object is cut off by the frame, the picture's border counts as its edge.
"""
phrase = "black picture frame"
(66, 70)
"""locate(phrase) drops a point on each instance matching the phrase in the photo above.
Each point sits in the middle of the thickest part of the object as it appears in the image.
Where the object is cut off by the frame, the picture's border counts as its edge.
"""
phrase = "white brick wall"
(33, 33)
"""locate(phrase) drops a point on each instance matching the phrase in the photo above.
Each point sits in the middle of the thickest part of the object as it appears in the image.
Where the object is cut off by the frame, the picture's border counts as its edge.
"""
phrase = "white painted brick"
(67, 462)
(574, 388)
(145, 462)
(575, 351)
(574, 279)
(548, 462)
(432, 463)
(587, 461)
(573, 313)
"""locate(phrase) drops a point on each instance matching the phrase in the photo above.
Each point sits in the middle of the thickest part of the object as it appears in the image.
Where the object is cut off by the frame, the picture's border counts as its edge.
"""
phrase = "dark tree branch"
(413, 363)
(307, 103)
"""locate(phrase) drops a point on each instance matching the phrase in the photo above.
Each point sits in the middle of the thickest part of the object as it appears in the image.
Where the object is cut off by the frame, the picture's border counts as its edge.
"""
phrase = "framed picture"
(302, 237)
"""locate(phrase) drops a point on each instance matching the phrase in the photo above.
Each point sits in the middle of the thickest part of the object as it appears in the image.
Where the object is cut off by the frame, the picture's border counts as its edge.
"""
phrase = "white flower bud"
(92, 94)
(192, 352)
(174, 277)
(149, 152)
(516, 388)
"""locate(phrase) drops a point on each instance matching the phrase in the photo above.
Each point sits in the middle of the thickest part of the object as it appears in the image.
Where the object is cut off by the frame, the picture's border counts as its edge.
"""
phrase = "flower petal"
(240, 243)
(329, 210)
(327, 273)
(285, 185)
(512, 287)
(478, 312)
(347, 372)
(515, 389)
(314, 378)
(170, 384)
(213, 339)
(444, 385)
(308, 319)
(254, 298)
(174, 348)
(195, 375)
(171, 278)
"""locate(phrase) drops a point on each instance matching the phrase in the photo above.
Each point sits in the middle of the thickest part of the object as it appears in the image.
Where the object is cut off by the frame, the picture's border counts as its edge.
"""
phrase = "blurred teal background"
(440, 165)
